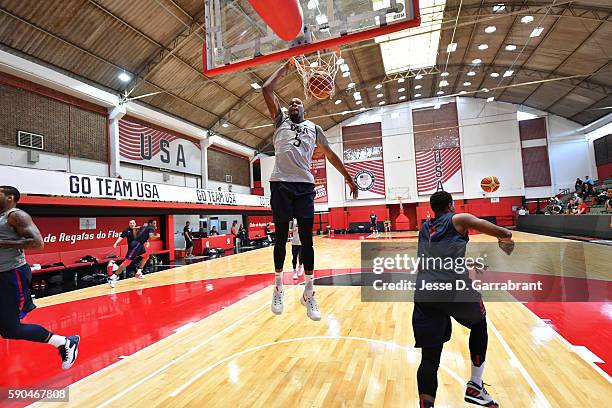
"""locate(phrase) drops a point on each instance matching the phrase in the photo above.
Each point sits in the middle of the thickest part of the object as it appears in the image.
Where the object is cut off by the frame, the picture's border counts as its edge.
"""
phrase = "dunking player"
(18, 232)
(446, 236)
(136, 248)
(292, 186)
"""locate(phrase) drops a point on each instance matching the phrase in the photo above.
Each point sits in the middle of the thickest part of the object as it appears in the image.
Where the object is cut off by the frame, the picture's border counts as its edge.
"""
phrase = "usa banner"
(145, 146)
(363, 159)
(317, 167)
(437, 149)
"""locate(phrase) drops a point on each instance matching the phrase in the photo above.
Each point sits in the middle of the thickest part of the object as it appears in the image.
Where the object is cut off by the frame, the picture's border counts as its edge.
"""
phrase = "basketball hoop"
(318, 72)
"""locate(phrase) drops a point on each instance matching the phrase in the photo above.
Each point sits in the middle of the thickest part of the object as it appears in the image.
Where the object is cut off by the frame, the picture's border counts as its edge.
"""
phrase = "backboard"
(238, 38)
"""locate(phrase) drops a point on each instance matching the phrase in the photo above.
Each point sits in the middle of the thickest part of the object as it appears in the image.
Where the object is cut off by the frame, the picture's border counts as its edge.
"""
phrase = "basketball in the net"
(320, 85)
(489, 184)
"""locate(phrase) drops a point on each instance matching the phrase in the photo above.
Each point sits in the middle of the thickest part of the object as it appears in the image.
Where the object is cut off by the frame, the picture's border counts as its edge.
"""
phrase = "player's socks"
(57, 341)
(309, 288)
(139, 274)
(476, 376)
(278, 279)
(300, 270)
(295, 274)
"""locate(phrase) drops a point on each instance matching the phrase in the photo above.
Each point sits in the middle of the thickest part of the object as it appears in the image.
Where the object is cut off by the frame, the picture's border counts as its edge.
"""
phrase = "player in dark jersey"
(446, 236)
(188, 239)
(129, 233)
(373, 227)
(136, 248)
(18, 232)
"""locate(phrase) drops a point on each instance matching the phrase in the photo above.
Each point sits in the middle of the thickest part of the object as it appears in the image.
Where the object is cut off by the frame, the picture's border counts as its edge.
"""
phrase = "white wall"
(18, 157)
(179, 224)
(490, 146)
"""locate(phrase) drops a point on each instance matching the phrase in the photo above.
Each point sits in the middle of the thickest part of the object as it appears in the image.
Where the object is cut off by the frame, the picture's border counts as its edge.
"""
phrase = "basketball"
(321, 85)
(489, 184)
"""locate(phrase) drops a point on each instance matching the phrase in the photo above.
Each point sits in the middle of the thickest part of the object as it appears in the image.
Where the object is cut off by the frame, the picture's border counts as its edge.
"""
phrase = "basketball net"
(318, 72)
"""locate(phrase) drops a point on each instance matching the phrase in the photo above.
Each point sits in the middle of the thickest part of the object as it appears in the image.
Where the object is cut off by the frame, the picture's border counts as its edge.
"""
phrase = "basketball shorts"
(291, 200)
(14, 290)
(431, 321)
(135, 249)
(188, 244)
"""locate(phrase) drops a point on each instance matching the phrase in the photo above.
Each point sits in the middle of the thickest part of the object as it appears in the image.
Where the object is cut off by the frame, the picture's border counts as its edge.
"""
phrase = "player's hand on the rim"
(506, 245)
(353, 186)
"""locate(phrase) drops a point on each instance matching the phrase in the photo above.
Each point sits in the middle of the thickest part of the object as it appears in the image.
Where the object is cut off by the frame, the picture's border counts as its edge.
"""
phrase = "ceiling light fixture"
(401, 98)
(490, 29)
(400, 81)
(378, 86)
(418, 77)
(418, 86)
(494, 74)
(462, 93)
(467, 83)
(417, 95)
(483, 47)
(452, 47)
(440, 92)
(124, 77)
(536, 32)
(444, 74)
(508, 73)
(346, 74)
(510, 47)
(498, 8)
(359, 102)
(471, 73)
(443, 83)
(401, 90)
(382, 102)
(338, 101)
(490, 99)
(379, 95)
(351, 85)
(526, 19)
(476, 61)
(485, 89)
(255, 85)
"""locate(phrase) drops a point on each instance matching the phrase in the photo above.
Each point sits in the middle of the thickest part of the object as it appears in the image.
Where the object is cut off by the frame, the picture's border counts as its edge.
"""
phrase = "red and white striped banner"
(370, 178)
(145, 146)
(439, 169)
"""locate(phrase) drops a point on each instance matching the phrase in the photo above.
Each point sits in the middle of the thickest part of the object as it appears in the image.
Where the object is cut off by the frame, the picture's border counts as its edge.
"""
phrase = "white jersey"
(294, 144)
(295, 237)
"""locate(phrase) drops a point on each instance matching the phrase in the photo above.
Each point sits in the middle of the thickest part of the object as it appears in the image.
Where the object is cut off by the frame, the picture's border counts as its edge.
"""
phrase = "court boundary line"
(570, 346)
(200, 373)
(208, 339)
(526, 376)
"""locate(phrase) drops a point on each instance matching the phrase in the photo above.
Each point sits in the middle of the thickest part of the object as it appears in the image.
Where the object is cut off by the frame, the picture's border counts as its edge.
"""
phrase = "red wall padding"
(604, 172)
(362, 214)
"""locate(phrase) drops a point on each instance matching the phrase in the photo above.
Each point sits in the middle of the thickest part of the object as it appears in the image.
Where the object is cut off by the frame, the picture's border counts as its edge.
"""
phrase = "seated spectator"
(214, 231)
(582, 208)
(608, 204)
(522, 211)
(601, 195)
(578, 185)
(588, 187)
(572, 207)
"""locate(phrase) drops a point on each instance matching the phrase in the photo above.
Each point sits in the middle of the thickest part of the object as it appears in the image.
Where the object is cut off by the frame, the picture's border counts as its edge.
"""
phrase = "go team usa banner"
(139, 144)
(54, 183)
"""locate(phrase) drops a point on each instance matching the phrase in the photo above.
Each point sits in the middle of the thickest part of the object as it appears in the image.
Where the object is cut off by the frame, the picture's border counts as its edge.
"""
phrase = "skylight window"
(416, 47)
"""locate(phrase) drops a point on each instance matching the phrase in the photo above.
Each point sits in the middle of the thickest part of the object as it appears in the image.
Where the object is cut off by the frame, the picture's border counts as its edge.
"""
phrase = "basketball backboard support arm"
(402, 14)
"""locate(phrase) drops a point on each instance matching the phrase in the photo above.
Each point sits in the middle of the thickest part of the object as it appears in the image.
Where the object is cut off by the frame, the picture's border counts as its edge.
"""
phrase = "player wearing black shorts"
(188, 239)
(136, 248)
(292, 186)
(18, 232)
(446, 236)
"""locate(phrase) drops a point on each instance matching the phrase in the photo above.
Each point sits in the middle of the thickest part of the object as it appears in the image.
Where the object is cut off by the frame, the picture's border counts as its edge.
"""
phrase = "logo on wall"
(365, 180)
(145, 146)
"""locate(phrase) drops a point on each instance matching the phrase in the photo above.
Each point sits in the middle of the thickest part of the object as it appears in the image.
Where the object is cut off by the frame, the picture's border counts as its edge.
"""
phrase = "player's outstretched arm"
(24, 226)
(268, 90)
(118, 241)
(464, 222)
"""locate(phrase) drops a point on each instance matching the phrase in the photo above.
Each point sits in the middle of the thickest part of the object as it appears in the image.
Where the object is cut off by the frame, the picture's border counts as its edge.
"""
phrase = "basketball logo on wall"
(364, 179)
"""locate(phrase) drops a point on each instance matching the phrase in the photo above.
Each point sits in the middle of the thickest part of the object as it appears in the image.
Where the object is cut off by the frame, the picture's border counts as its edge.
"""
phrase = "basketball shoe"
(478, 395)
(112, 280)
(295, 274)
(69, 351)
(277, 300)
(311, 306)
(139, 274)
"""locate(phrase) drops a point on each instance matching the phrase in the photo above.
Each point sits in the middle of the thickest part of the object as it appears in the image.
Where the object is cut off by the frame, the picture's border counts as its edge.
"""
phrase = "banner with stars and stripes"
(363, 159)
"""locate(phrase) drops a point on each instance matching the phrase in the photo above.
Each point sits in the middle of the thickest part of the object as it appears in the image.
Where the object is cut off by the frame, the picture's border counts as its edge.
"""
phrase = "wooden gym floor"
(203, 335)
